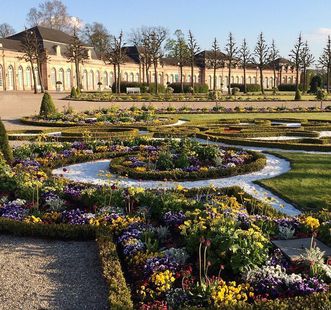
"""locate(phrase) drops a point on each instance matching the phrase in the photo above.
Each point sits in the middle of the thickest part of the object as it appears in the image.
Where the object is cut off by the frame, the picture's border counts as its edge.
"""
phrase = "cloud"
(318, 35)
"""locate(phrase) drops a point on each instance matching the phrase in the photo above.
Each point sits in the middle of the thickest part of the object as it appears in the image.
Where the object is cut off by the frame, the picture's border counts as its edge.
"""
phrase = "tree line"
(154, 44)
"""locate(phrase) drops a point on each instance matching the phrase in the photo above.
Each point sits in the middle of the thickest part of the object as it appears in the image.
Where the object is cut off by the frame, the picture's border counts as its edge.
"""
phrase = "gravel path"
(41, 274)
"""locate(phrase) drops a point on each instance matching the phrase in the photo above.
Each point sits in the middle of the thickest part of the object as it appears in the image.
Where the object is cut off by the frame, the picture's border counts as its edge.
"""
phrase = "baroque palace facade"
(16, 73)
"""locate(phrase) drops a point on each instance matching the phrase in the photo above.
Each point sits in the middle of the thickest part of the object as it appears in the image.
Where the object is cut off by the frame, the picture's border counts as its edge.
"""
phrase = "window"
(105, 78)
(20, 77)
(131, 77)
(10, 78)
(28, 77)
(1, 78)
(85, 80)
(68, 79)
(53, 77)
(91, 80)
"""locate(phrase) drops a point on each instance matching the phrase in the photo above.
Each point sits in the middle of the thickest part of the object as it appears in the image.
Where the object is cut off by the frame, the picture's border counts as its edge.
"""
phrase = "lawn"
(215, 117)
(307, 184)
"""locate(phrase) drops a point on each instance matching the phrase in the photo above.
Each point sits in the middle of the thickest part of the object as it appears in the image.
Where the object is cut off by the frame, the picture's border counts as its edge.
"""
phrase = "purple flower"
(13, 211)
(75, 217)
(174, 218)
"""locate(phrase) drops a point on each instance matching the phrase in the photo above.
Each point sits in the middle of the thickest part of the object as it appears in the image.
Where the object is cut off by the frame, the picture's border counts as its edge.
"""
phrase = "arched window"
(189, 78)
(91, 80)
(68, 79)
(1, 77)
(20, 77)
(249, 80)
(126, 77)
(131, 77)
(271, 82)
(210, 82)
(137, 77)
(255, 80)
(232, 79)
(97, 77)
(266, 82)
(28, 77)
(172, 79)
(160, 81)
(53, 77)
(85, 80)
(10, 85)
(237, 79)
(111, 78)
(61, 77)
(105, 79)
(284, 79)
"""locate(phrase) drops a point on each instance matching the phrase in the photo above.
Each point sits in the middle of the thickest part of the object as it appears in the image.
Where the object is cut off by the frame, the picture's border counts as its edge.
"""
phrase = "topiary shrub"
(250, 88)
(288, 87)
(78, 92)
(321, 94)
(198, 87)
(73, 93)
(47, 106)
(297, 95)
(5, 149)
(235, 91)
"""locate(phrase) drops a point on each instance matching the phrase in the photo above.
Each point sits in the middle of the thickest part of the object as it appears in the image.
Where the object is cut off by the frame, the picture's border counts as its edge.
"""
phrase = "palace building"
(59, 74)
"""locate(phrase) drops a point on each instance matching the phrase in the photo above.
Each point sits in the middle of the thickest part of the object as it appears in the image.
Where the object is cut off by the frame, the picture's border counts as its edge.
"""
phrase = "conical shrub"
(73, 93)
(297, 95)
(47, 106)
(5, 149)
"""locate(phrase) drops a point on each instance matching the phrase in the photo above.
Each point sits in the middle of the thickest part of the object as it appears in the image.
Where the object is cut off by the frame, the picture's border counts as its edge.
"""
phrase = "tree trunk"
(42, 89)
(229, 78)
(214, 81)
(147, 75)
(119, 78)
(115, 78)
(245, 87)
(192, 71)
(297, 79)
(261, 80)
(155, 79)
(274, 80)
(181, 79)
(34, 78)
(304, 81)
(77, 74)
(327, 79)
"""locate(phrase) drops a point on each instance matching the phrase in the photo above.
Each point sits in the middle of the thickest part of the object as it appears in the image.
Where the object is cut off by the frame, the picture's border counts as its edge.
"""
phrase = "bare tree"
(296, 59)
(97, 35)
(245, 57)
(29, 46)
(215, 60)
(77, 53)
(261, 53)
(231, 53)
(154, 42)
(273, 56)
(193, 49)
(52, 14)
(116, 56)
(307, 59)
(178, 49)
(325, 61)
(6, 30)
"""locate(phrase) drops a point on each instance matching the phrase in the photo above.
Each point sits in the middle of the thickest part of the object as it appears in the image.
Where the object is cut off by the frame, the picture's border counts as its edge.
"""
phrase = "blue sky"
(281, 20)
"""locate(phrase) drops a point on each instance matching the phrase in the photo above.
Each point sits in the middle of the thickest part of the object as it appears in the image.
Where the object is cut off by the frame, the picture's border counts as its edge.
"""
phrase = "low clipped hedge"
(198, 87)
(250, 88)
(259, 161)
(288, 87)
(281, 145)
(119, 295)
(50, 231)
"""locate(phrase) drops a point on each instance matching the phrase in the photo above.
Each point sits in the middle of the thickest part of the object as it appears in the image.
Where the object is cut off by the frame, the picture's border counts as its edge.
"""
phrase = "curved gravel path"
(92, 173)
(41, 274)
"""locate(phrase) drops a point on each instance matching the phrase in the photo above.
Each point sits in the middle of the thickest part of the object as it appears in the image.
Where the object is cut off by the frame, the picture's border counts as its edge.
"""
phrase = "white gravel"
(279, 138)
(58, 275)
(91, 172)
(292, 125)
(178, 123)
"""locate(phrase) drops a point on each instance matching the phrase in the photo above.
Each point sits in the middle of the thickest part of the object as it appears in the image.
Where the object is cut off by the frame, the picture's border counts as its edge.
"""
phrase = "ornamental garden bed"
(203, 248)
(103, 117)
(186, 160)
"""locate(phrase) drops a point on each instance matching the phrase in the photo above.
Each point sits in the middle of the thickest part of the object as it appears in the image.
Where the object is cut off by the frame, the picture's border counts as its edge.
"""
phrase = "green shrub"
(73, 93)
(251, 88)
(297, 96)
(119, 295)
(5, 149)
(198, 87)
(235, 91)
(78, 92)
(47, 106)
(164, 161)
(315, 84)
(288, 87)
(321, 94)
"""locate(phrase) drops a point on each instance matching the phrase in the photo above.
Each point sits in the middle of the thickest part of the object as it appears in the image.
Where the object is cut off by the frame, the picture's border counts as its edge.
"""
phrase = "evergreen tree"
(73, 93)
(5, 149)
(47, 106)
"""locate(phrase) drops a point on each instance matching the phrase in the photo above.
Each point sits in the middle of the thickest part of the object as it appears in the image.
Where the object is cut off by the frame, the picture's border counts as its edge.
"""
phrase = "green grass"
(215, 117)
(307, 184)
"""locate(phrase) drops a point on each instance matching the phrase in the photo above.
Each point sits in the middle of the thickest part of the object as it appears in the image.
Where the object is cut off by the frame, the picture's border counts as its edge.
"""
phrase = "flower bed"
(179, 249)
(186, 160)
(106, 117)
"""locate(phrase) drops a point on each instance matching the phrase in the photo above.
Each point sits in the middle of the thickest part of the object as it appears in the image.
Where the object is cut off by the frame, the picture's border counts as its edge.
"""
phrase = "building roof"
(11, 44)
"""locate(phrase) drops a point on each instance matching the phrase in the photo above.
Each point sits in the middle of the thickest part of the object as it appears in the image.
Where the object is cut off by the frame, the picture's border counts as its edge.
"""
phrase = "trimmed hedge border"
(48, 231)
(119, 296)
(259, 161)
(279, 145)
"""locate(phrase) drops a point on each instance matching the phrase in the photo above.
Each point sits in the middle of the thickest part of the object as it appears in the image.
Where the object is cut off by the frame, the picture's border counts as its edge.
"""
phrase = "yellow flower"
(311, 222)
